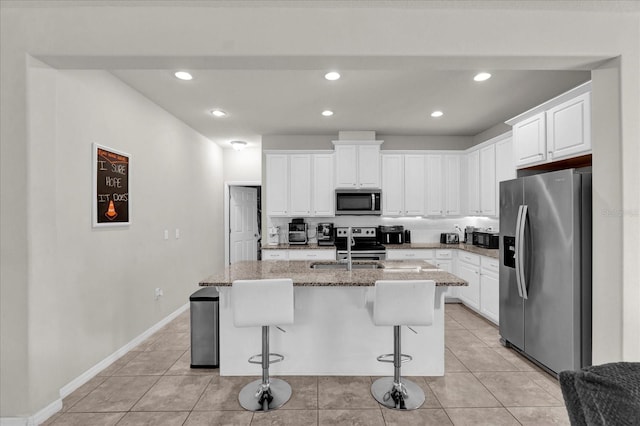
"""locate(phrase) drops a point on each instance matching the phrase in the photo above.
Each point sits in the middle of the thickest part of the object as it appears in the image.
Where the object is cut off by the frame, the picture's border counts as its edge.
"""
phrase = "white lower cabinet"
(410, 254)
(482, 294)
(468, 269)
(275, 254)
(299, 254)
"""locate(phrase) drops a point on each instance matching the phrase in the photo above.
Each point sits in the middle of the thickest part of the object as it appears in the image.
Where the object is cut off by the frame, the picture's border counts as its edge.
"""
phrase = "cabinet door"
(392, 185)
(473, 184)
(410, 254)
(346, 166)
(275, 254)
(277, 185)
(452, 185)
(314, 254)
(368, 166)
(414, 185)
(435, 205)
(569, 128)
(323, 187)
(469, 295)
(529, 140)
(488, 180)
(505, 166)
(300, 184)
(489, 296)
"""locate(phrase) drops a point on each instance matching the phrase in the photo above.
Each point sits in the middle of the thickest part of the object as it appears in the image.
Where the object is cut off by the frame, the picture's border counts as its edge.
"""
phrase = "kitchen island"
(333, 332)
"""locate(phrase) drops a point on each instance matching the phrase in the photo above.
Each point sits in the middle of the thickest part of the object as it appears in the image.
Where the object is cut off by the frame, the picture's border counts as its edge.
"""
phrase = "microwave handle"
(373, 201)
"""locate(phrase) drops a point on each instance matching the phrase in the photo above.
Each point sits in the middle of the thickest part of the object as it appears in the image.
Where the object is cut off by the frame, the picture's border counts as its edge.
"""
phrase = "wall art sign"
(111, 201)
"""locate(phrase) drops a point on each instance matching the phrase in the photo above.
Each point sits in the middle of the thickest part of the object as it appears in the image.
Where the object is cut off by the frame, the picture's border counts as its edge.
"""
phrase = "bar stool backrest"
(404, 302)
(262, 302)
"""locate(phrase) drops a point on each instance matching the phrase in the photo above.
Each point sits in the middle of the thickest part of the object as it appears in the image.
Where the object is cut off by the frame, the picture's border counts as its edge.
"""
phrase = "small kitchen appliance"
(468, 234)
(298, 232)
(486, 239)
(391, 234)
(325, 234)
(407, 236)
(274, 236)
(358, 202)
(449, 238)
(364, 244)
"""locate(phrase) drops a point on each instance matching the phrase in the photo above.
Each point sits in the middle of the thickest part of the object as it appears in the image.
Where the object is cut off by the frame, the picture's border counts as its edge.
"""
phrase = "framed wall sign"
(111, 201)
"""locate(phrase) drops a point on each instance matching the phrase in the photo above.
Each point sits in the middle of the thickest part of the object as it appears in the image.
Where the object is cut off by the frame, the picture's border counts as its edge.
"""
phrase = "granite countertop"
(494, 253)
(303, 275)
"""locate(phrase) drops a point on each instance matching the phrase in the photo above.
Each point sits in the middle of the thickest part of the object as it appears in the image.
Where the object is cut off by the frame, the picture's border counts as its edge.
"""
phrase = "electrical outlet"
(158, 293)
(177, 233)
(166, 234)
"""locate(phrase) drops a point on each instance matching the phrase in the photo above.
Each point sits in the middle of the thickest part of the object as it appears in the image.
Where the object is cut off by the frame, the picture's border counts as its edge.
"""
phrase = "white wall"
(503, 36)
(92, 290)
(242, 166)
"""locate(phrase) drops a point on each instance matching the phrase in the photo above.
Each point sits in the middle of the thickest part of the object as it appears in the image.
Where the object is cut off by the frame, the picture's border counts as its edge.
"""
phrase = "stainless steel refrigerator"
(545, 268)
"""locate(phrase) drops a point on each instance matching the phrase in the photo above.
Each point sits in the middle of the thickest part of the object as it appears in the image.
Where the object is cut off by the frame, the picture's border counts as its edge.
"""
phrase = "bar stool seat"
(263, 303)
(398, 303)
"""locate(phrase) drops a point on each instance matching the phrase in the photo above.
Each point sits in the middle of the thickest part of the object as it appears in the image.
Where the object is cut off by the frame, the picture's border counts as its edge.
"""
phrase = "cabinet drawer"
(275, 255)
(312, 255)
(444, 254)
(403, 254)
(490, 265)
(471, 258)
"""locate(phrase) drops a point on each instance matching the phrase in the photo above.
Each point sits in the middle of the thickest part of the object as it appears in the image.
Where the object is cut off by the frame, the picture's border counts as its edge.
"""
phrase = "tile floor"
(484, 384)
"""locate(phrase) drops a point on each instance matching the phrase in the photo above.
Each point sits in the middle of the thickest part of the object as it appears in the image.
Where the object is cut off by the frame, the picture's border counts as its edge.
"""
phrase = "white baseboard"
(70, 387)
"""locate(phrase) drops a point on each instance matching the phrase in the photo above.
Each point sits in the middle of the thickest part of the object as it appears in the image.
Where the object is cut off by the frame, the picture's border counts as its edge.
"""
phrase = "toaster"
(449, 238)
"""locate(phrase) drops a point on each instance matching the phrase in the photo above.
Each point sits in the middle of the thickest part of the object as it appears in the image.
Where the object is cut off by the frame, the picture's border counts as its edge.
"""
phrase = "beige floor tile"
(430, 400)
(548, 383)
(541, 416)
(461, 390)
(183, 367)
(154, 419)
(147, 342)
(482, 359)
(517, 390)
(452, 364)
(119, 363)
(219, 418)
(350, 417)
(115, 394)
(304, 393)
(286, 418)
(150, 363)
(84, 419)
(345, 392)
(428, 417)
(179, 325)
(490, 336)
(171, 341)
(451, 324)
(520, 362)
(222, 394)
(173, 393)
(481, 417)
(81, 392)
(461, 339)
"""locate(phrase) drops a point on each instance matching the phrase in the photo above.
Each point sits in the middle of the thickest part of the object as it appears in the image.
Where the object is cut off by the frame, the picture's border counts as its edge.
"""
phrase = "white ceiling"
(391, 100)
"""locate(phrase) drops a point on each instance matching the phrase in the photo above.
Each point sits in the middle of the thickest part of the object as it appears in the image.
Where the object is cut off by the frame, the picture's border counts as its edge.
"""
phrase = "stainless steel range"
(365, 245)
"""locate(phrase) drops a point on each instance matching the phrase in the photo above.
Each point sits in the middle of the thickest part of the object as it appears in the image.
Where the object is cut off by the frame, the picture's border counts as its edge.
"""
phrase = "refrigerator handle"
(521, 253)
(517, 251)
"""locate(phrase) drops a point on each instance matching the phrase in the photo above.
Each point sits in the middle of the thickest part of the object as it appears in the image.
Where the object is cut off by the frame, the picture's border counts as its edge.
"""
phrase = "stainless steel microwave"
(358, 202)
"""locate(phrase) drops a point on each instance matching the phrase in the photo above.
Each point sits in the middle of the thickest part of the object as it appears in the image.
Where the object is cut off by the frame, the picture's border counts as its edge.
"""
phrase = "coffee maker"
(325, 234)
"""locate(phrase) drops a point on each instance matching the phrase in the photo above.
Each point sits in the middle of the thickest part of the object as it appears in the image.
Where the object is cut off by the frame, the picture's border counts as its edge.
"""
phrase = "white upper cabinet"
(299, 184)
(569, 128)
(414, 184)
(558, 129)
(473, 182)
(451, 175)
(488, 180)
(357, 164)
(435, 185)
(505, 166)
(277, 177)
(323, 188)
(392, 185)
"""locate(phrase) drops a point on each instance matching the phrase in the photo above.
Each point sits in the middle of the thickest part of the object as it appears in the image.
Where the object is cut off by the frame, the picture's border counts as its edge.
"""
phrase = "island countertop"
(303, 275)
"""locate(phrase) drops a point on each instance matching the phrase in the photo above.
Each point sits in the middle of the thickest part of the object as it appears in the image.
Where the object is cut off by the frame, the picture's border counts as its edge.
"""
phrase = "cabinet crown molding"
(357, 142)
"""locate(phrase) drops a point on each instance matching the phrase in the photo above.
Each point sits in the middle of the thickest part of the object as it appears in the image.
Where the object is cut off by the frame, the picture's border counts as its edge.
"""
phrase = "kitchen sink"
(343, 266)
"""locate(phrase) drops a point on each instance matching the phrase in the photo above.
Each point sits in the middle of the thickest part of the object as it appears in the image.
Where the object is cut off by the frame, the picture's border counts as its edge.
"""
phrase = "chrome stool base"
(407, 396)
(257, 397)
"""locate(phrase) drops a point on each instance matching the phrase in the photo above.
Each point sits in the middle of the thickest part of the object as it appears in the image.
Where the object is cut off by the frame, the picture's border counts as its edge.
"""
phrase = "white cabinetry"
(468, 269)
(403, 185)
(473, 182)
(323, 193)
(277, 186)
(414, 185)
(410, 254)
(489, 288)
(275, 254)
(435, 193)
(299, 184)
(505, 166)
(312, 254)
(357, 164)
(451, 175)
(488, 180)
(443, 185)
(558, 129)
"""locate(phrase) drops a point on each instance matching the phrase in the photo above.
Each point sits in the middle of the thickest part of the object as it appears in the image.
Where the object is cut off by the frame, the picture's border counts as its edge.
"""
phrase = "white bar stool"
(263, 303)
(400, 303)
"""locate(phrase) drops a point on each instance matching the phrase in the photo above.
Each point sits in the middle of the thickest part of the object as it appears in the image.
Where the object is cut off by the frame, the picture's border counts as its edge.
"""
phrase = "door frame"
(227, 194)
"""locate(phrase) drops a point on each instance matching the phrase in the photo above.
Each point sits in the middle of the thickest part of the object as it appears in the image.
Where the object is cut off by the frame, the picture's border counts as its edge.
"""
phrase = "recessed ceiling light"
(238, 145)
(436, 114)
(482, 76)
(327, 113)
(331, 76)
(218, 113)
(183, 75)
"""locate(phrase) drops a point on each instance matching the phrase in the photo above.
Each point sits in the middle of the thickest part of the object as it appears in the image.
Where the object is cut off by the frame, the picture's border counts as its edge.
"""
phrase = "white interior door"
(243, 223)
